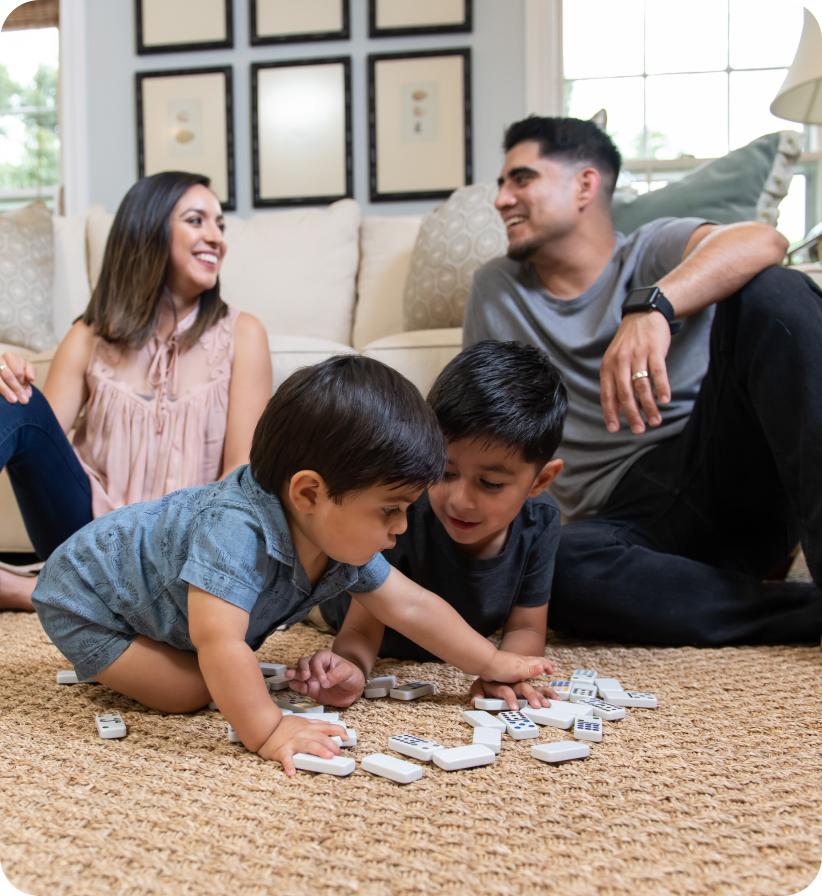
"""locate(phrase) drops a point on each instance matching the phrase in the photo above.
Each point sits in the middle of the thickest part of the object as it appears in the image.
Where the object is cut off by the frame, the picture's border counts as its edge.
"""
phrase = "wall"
(498, 90)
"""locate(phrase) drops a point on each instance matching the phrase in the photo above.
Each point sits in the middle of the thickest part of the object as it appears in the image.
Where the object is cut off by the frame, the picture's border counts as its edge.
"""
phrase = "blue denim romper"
(127, 573)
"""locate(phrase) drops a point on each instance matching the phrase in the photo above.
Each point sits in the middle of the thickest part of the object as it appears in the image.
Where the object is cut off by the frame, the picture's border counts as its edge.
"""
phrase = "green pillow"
(745, 185)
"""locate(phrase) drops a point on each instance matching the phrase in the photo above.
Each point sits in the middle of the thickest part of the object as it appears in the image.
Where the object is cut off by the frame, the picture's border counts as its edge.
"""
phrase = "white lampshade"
(800, 96)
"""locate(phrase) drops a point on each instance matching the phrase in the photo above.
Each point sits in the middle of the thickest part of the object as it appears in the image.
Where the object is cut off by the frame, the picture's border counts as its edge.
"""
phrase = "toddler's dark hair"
(355, 421)
(505, 392)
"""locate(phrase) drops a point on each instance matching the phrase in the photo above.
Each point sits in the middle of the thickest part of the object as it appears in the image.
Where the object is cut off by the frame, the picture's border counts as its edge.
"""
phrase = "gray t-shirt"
(508, 302)
(482, 591)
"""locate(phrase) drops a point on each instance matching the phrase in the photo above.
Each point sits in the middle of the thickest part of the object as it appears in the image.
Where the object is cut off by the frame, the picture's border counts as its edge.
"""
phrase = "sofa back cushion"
(27, 277)
(385, 253)
(71, 286)
(295, 270)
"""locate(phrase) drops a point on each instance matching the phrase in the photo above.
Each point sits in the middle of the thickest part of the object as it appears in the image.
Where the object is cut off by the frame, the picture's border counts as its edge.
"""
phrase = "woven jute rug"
(719, 791)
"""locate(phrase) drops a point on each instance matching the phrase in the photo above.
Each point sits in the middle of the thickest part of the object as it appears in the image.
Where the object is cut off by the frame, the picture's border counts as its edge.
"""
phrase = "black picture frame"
(303, 164)
(461, 27)
(408, 156)
(153, 129)
(257, 39)
(176, 46)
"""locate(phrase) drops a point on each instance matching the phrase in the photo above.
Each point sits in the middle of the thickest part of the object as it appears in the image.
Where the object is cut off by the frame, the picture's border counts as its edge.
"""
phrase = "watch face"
(641, 296)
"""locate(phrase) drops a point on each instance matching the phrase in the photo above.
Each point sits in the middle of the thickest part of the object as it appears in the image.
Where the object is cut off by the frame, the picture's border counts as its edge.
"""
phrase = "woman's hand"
(16, 377)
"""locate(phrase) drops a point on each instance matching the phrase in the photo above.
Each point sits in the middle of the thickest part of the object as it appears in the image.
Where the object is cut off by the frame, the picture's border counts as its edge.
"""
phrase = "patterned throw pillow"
(26, 277)
(454, 240)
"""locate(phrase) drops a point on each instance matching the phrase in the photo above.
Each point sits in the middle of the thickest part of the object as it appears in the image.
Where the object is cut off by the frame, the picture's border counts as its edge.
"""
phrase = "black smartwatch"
(650, 298)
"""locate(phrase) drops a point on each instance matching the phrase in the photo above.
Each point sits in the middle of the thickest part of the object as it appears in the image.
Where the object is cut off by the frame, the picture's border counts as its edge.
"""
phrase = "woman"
(163, 380)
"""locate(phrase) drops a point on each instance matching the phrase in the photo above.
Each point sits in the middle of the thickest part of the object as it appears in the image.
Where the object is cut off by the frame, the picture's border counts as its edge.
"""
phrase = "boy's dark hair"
(355, 421)
(571, 139)
(505, 392)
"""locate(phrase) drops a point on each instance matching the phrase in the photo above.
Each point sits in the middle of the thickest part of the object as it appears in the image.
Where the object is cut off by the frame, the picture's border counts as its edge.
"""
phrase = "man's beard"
(525, 250)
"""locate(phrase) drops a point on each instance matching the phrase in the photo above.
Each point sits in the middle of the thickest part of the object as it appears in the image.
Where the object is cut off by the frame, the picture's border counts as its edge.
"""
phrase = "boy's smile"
(484, 487)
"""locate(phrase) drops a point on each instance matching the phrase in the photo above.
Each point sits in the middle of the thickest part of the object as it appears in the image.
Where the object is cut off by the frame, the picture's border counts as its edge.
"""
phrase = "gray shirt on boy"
(508, 302)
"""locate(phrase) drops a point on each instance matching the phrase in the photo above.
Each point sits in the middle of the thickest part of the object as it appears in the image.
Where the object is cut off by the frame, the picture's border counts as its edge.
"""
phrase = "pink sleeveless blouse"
(155, 419)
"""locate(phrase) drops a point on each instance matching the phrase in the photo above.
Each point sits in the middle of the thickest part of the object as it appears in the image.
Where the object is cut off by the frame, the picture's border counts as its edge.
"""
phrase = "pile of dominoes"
(586, 702)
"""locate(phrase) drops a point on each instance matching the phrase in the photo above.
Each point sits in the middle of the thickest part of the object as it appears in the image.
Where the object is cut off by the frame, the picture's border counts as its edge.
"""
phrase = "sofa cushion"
(290, 353)
(745, 185)
(386, 244)
(71, 289)
(454, 240)
(27, 277)
(296, 270)
(418, 355)
(98, 225)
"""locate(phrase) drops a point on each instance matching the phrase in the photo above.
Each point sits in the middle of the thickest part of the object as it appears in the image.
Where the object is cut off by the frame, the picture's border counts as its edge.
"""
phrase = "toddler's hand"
(328, 679)
(511, 667)
(536, 696)
(295, 735)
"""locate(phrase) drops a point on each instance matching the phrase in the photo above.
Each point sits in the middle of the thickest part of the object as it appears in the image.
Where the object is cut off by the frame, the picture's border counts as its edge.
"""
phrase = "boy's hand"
(295, 735)
(511, 667)
(536, 696)
(328, 679)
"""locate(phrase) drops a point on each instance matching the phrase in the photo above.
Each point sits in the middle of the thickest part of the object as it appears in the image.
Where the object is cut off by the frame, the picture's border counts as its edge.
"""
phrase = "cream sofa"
(323, 281)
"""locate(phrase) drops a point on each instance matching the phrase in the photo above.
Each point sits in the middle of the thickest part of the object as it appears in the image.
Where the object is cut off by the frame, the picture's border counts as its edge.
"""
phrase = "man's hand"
(16, 377)
(640, 344)
(299, 735)
(512, 667)
(536, 696)
(327, 678)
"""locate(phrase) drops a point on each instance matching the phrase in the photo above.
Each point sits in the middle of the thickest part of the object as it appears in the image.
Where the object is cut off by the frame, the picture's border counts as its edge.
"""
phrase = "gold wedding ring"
(639, 375)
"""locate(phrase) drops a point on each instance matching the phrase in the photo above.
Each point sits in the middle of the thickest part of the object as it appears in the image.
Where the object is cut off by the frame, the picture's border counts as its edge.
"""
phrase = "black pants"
(679, 552)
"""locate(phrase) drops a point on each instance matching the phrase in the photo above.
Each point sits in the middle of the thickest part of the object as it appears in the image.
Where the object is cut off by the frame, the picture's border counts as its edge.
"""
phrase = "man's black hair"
(355, 421)
(504, 392)
(572, 140)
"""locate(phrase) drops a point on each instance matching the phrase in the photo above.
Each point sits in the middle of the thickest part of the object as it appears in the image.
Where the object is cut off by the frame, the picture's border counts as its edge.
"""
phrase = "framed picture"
(390, 18)
(168, 26)
(285, 21)
(419, 124)
(301, 131)
(184, 123)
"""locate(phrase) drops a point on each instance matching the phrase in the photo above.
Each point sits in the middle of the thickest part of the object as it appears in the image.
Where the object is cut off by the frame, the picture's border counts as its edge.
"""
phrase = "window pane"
(750, 96)
(692, 41)
(764, 33)
(601, 38)
(622, 100)
(687, 115)
(29, 146)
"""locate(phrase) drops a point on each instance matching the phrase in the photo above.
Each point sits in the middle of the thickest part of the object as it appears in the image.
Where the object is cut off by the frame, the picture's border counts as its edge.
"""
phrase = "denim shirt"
(230, 538)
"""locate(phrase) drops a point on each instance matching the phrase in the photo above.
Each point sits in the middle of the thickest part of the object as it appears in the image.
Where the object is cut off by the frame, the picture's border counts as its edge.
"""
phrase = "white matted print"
(174, 25)
(389, 17)
(184, 123)
(301, 131)
(420, 124)
(273, 21)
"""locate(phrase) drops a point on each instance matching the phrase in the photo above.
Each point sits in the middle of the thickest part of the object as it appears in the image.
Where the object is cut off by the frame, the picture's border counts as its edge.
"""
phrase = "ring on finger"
(639, 375)
(3, 366)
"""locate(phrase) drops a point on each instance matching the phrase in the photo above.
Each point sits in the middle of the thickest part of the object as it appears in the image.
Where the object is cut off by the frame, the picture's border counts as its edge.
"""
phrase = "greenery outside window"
(29, 132)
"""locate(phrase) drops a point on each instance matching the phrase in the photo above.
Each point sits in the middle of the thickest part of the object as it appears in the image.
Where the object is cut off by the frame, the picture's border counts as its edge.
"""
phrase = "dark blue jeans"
(52, 489)
(679, 553)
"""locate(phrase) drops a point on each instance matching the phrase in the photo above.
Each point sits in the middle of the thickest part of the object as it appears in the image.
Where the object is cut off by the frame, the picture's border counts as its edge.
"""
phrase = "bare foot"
(15, 591)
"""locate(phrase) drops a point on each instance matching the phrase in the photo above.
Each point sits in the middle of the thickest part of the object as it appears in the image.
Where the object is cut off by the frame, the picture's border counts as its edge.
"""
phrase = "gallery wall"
(497, 63)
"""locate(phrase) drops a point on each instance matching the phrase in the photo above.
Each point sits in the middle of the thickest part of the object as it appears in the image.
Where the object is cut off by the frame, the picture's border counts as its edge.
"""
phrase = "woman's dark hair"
(355, 421)
(129, 294)
(503, 392)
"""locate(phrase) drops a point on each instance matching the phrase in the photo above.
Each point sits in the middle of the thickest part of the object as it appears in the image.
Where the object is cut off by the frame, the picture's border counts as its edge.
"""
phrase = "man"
(677, 517)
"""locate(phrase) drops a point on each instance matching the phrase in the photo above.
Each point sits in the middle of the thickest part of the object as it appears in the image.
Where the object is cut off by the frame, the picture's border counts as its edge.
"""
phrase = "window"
(29, 139)
(685, 83)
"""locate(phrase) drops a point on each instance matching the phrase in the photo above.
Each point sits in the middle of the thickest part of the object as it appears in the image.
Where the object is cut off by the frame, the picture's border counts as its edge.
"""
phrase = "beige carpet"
(719, 791)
